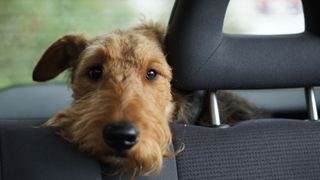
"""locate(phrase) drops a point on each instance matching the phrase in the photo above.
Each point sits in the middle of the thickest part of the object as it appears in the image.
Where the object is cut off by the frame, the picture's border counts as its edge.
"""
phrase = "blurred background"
(264, 17)
(28, 27)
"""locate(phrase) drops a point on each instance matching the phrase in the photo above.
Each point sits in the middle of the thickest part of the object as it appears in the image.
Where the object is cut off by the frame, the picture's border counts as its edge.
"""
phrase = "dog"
(123, 101)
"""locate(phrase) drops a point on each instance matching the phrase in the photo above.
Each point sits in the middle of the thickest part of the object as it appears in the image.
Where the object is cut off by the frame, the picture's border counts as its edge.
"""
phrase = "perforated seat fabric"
(257, 149)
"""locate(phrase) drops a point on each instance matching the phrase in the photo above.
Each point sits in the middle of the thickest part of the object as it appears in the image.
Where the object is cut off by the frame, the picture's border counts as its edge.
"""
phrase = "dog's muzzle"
(120, 137)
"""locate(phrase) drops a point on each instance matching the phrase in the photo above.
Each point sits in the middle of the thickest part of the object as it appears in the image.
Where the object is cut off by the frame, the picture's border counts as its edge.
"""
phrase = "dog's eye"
(95, 72)
(151, 74)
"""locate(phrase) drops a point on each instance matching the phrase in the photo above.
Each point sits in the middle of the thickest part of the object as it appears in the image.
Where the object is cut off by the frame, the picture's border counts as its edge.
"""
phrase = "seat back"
(204, 58)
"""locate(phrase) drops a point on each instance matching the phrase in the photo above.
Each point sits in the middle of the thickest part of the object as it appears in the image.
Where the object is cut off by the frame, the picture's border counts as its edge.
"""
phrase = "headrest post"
(311, 103)
(214, 109)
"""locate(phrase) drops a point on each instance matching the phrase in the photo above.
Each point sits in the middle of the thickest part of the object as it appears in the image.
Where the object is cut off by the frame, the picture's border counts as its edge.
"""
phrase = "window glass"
(264, 17)
(28, 27)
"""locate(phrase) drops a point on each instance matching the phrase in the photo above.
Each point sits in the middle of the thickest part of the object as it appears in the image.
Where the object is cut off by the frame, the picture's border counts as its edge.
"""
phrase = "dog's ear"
(58, 57)
(156, 31)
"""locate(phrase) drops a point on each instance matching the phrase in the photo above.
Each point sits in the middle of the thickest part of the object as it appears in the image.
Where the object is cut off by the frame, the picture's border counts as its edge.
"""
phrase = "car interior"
(277, 73)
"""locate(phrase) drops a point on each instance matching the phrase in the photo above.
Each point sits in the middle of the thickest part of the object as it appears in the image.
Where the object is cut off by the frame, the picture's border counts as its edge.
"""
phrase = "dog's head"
(122, 100)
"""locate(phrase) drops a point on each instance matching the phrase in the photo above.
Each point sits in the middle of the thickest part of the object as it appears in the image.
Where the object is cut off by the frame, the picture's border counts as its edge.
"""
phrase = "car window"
(28, 27)
(264, 17)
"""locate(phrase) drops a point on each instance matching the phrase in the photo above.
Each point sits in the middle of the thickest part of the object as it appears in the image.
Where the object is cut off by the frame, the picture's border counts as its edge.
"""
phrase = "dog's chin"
(129, 162)
(120, 154)
(116, 158)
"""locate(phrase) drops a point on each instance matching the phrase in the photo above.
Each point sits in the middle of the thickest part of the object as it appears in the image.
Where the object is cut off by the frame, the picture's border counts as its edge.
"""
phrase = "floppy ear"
(58, 57)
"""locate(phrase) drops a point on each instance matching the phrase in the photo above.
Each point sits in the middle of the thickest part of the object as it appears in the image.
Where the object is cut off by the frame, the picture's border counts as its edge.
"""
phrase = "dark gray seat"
(258, 149)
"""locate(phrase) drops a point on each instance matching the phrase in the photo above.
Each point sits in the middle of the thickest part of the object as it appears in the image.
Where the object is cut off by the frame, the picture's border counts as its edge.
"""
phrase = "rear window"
(264, 17)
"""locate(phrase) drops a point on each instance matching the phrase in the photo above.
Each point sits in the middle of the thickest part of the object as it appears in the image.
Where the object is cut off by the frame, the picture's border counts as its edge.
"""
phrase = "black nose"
(120, 137)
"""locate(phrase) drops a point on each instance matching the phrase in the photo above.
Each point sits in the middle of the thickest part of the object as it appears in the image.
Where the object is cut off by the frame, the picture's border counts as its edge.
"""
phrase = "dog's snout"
(120, 137)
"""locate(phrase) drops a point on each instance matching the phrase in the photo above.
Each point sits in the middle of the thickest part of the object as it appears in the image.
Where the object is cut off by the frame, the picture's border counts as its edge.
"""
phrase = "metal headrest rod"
(311, 103)
(214, 111)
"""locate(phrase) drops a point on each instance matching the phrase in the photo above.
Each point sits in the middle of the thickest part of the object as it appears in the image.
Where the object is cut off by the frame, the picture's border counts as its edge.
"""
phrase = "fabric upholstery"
(257, 149)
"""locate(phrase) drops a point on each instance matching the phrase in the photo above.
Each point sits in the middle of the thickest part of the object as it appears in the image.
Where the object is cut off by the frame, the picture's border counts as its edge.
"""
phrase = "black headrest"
(202, 57)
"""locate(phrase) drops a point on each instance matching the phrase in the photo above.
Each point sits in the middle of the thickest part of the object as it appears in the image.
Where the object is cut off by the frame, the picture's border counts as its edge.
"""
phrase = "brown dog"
(122, 96)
